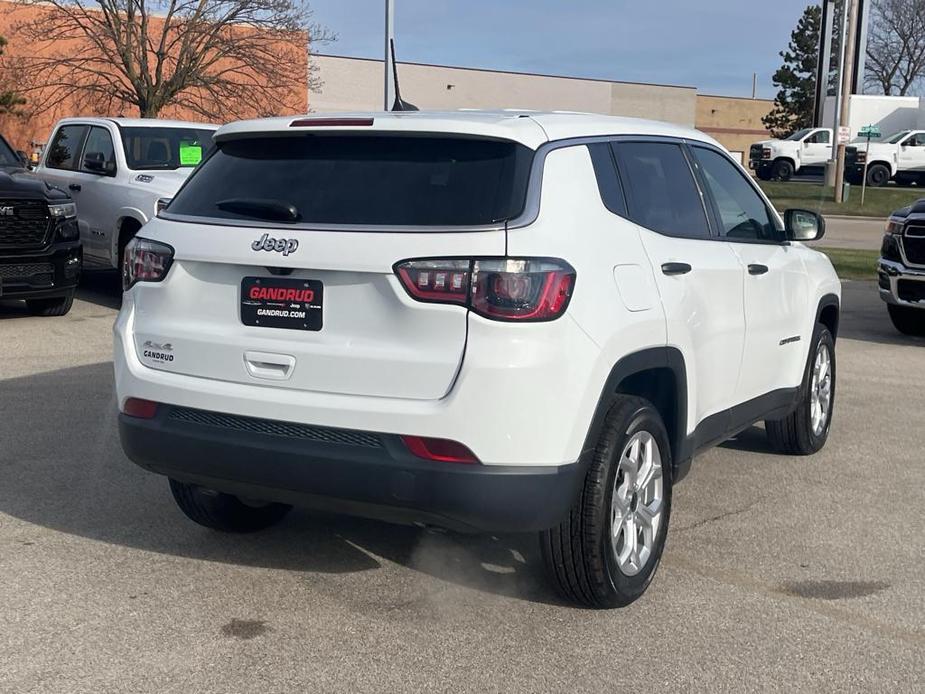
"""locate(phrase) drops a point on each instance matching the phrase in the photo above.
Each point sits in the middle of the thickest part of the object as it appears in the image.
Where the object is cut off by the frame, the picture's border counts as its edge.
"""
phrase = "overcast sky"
(714, 45)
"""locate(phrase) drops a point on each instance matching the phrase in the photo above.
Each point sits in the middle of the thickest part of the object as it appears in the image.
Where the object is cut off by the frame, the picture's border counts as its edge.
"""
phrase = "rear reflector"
(142, 409)
(507, 289)
(331, 123)
(439, 450)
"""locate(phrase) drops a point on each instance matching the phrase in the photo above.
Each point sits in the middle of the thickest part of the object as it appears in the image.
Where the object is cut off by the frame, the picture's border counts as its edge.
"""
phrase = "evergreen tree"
(796, 78)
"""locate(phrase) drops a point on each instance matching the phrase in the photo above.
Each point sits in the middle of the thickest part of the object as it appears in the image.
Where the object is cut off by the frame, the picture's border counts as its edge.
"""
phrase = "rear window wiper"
(261, 208)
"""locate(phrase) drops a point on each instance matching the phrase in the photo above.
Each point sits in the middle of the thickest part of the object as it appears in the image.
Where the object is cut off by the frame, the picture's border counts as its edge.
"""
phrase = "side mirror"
(96, 163)
(803, 225)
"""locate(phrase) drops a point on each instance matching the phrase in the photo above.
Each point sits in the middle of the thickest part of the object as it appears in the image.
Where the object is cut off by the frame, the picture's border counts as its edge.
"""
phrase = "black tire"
(783, 170)
(878, 175)
(59, 306)
(794, 434)
(225, 512)
(907, 320)
(580, 559)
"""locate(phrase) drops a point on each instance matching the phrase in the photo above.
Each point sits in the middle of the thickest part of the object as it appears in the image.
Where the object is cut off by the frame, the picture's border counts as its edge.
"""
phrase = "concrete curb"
(853, 218)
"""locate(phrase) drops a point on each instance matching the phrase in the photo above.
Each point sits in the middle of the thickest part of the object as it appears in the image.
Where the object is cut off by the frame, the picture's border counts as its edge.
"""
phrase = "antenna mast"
(389, 92)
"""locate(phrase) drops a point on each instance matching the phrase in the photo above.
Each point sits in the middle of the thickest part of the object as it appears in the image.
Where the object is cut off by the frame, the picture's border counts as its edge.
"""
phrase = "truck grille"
(272, 427)
(914, 244)
(755, 152)
(851, 156)
(36, 274)
(24, 223)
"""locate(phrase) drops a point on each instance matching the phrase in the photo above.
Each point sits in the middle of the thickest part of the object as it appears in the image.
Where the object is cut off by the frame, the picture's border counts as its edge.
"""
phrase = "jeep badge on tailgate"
(284, 246)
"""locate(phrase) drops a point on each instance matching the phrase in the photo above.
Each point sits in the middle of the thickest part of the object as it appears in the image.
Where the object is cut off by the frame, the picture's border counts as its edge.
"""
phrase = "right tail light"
(505, 289)
(145, 261)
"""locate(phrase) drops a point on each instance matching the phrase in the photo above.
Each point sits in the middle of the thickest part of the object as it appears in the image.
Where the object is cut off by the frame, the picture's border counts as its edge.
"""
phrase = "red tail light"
(145, 261)
(509, 289)
(142, 409)
(439, 450)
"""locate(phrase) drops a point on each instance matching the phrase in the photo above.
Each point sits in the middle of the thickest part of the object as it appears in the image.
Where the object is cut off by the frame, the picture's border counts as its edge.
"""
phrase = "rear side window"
(361, 180)
(608, 183)
(662, 195)
(62, 154)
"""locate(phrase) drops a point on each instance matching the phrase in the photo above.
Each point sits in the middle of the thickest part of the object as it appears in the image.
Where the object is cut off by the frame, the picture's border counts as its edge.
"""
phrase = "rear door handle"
(676, 268)
(756, 269)
(74, 186)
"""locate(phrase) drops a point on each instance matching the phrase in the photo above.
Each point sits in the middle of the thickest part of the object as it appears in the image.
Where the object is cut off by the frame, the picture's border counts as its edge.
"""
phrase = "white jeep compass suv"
(482, 321)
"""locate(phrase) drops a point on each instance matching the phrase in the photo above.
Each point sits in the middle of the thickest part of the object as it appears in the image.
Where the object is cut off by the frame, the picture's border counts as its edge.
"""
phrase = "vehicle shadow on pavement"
(101, 287)
(754, 440)
(61, 467)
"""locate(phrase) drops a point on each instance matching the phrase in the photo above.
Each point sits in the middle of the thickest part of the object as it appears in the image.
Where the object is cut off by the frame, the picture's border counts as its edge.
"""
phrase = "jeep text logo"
(284, 246)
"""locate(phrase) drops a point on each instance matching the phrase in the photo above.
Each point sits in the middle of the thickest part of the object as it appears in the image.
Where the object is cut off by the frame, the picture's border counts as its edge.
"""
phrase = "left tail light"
(506, 289)
(145, 261)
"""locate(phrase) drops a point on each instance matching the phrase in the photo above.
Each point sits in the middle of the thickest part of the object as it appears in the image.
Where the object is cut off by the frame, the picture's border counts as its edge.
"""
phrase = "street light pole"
(846, 90)
(389, 86)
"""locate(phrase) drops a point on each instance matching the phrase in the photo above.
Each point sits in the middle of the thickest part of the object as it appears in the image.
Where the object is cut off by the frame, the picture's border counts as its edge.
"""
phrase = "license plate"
(282, 302)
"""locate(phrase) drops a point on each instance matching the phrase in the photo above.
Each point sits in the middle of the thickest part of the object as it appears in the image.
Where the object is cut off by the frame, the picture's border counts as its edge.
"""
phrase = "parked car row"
(899, 157)
(97, 183)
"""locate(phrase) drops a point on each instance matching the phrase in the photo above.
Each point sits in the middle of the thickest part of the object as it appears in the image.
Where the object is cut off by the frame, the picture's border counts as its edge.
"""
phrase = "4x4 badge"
(284, 246)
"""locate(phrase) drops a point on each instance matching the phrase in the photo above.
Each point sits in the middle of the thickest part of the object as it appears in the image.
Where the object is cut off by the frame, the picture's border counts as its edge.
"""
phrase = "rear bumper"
(51, 272)
(356, 473)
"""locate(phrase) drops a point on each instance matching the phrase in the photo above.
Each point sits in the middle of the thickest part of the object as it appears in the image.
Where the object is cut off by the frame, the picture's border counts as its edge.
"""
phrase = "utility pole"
(847, 81)
(389, 86)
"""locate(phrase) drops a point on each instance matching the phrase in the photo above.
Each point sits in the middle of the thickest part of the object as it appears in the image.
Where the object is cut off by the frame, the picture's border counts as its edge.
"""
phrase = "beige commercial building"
(356, 84)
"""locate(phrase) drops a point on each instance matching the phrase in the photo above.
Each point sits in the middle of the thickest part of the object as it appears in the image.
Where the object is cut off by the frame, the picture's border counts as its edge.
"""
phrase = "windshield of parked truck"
(164, 148)
(799, 134)
(897, 137)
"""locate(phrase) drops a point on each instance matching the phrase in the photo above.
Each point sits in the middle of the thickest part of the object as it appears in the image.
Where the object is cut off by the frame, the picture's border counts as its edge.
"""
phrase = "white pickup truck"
(806, 151)
(900, 157)
(117, 170)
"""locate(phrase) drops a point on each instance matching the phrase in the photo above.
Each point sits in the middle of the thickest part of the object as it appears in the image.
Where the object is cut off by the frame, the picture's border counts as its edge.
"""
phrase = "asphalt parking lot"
(780, 573)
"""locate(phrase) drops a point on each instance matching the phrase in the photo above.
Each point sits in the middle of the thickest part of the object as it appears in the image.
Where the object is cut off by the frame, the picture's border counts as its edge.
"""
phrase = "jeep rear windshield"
(164, 148)
(393, 180)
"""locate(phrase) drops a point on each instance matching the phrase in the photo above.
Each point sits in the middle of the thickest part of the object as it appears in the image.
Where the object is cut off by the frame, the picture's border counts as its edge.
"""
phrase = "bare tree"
(896, 46)
(220, 59)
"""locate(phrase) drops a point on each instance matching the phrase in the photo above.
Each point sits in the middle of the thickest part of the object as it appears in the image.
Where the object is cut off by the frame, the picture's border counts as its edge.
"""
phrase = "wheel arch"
(659, 375)
(828, 313)
(129, 221)
(882, 162)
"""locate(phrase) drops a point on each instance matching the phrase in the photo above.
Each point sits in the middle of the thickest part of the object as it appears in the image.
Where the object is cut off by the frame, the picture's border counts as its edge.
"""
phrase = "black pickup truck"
(40, 252)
